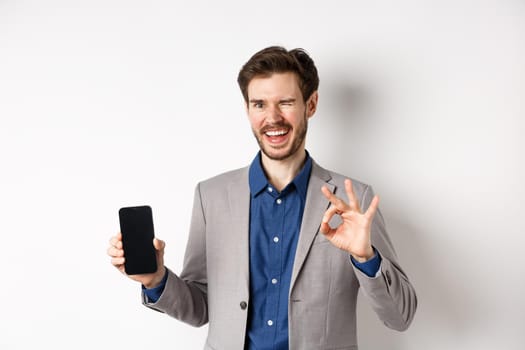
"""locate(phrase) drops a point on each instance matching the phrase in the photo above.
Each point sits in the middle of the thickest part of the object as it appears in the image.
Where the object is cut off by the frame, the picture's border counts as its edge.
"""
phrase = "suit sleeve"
(390, 293)
(185, 296)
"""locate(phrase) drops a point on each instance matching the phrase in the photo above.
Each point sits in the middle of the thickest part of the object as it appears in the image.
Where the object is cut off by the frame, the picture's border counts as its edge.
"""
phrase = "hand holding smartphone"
(136, 226)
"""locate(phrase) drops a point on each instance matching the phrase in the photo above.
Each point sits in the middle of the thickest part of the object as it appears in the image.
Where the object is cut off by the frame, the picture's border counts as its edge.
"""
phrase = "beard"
(277, 153)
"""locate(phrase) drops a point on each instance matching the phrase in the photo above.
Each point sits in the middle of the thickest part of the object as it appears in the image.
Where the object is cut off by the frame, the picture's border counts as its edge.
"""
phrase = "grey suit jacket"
(214, 284)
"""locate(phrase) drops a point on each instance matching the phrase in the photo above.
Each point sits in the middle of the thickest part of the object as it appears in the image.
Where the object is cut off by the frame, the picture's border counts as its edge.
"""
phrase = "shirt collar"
(301, 180)
(258, 181)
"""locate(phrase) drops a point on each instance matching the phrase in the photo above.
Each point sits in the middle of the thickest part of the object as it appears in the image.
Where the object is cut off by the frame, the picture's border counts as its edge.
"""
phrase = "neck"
(281, 172)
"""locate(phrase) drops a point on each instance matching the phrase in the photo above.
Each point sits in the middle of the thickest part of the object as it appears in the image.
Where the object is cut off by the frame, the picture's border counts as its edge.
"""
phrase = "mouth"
(275, 133)
(276, 136)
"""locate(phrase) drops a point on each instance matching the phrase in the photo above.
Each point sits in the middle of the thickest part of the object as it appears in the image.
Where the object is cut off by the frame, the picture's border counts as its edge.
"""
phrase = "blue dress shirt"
(275, 221)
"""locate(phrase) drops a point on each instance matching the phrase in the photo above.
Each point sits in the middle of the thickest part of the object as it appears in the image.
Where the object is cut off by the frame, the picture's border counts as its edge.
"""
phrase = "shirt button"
(244, 305)
(269, 323)
(279, 201)
(276, 239)
(274, 280)
(270, 189)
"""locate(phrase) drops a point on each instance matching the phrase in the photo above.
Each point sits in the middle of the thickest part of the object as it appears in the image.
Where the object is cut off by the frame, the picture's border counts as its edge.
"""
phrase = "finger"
(114, 252)
(115, 244)
(327, 230)
(118, 261)
(336, 201)
(116, 240)
(113, 241)
(372, 208)
(353, 203)
(329, 213)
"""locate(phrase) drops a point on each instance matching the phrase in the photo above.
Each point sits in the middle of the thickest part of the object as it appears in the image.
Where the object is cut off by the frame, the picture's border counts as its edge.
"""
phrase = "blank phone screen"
(136, 225)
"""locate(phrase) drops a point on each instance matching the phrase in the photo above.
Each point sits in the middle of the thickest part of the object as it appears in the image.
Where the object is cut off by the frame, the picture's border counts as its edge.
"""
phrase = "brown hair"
(276, 59)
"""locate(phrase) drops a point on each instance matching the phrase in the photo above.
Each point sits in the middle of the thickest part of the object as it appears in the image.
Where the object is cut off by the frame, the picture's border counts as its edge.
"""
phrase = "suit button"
(388, 278)
(244, 305)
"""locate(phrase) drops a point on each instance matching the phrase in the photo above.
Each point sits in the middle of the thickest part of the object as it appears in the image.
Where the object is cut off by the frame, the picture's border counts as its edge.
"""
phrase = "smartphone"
(136, 225)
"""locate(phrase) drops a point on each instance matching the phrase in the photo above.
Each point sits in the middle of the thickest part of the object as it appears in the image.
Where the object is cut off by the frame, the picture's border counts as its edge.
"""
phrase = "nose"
(274, 114)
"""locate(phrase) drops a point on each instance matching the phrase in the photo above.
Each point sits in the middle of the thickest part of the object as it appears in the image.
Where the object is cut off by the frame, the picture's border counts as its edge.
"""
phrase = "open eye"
(257, 104)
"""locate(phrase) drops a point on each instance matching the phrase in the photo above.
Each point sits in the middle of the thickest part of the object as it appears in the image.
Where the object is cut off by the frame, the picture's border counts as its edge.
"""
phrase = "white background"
(108, 103)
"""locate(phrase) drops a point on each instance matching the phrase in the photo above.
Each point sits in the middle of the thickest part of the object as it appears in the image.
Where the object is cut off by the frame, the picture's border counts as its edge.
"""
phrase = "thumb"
(159, 244)
(159, 247)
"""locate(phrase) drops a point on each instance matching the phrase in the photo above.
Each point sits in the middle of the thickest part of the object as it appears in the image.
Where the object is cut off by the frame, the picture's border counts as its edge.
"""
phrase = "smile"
(273, 133)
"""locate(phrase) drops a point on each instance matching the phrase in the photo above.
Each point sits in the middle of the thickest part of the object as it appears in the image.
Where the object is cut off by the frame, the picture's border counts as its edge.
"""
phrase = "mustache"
(273, 126)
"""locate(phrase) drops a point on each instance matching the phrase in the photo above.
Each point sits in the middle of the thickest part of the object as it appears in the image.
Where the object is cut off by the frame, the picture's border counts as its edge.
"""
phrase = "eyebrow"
(284, 100)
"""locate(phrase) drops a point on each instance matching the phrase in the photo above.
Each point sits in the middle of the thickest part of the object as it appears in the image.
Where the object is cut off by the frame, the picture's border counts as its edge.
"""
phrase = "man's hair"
(276, 59)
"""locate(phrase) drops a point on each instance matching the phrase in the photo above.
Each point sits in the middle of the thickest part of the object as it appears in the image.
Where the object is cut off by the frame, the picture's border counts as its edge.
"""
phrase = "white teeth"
(276, 132)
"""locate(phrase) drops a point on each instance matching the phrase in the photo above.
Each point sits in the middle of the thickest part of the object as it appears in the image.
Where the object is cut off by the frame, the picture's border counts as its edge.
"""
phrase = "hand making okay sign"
(353, 234)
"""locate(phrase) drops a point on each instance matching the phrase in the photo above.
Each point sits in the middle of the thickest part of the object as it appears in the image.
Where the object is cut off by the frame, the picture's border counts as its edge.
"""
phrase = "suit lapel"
(316, 205)
(239, 200)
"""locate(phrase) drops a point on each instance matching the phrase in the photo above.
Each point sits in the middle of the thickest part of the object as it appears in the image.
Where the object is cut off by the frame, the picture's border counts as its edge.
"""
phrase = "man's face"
(278, 115)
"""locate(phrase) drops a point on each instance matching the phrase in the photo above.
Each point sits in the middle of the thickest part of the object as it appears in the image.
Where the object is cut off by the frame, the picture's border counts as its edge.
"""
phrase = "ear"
(311, 104)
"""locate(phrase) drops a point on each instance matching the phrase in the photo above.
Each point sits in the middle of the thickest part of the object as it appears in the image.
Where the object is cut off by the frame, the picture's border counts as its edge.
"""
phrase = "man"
(278, 250)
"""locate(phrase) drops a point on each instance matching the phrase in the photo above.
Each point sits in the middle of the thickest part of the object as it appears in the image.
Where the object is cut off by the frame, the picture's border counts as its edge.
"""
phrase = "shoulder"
(225, 180)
